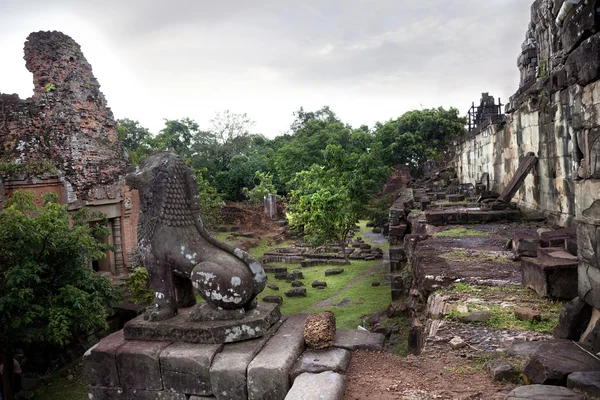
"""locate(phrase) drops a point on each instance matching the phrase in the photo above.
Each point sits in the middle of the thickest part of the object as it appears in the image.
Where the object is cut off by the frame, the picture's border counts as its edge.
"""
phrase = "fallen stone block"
(527, 314)
(319, 284)
(558, 237)
(398, 230)
(554, 277)
(554, 361)
(316, 361)
(502, 371)
(521, 348)
(268, 373)
(334, 271)
(324, 386)
(298, 274)
(525, 245)
(587, 382)
(273, 299)
(573, 319)
(297, 284)
(319, 330)
(358, 340)
(477, 316)
(457, 343)
(296, 292)
(185, 367)
(138, 362)
(543, 392)
(455, 198)
(273, 287)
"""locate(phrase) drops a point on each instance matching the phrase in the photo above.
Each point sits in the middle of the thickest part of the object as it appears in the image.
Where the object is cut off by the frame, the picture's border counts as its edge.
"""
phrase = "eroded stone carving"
(180, 254)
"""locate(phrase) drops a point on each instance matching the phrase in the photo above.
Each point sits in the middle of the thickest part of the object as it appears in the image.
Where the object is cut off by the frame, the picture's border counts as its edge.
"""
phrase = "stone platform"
(262, 368)
(179, 329)
(469, 216)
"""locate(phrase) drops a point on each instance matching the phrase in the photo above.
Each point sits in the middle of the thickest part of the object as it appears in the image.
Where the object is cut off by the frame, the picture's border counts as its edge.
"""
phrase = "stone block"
(398, 230)
(273, 299)
(554, 361)
(582, 65)
(525, 245)
(397, 253)
(587, 382)
(573, 319)
(185, 367)
(502, 371)
(543, 392)
(319, 284)
(297, 284)
(553, 277)
(316, 361)
(138, 362)
(527, 314)
(333, 271)
(455, 198)
(296, 292)
(324, 386)
(228, 369)
(358, 340)
(580, 23)
(395, 266)
(100, 362)
(268, 373)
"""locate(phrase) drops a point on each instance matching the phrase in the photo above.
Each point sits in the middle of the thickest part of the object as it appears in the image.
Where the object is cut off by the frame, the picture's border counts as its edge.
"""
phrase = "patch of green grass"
(504, 317)
(61, 388)
(364, 299)
(460, 232)
(473, 255)
(364, 230)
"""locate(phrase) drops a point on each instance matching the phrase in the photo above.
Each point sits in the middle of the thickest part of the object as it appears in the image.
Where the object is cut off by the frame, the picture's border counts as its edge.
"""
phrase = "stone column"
(116, 232)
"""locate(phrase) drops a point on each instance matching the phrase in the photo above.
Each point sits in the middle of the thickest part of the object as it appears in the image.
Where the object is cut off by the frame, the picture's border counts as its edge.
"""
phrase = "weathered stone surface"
(527, 314)
(587, 382)
(554, 361)
(268, 373)
(139, 365)
(502, 371)
(319, 284)
(106, 393)
(543, 392)
(100, 362)
(456, 197)
(319, 330)
(324, 386)
(296, 292)
(185, 367)
(273, 287)
(525, 245)
(333, 271)
(573, 319)
(397, 253)
(554, 277)
(228, 369)
(273, 299)
(297, 284)
(179, 328)
(522, 348)
(298, 274)
(316, 361)
(477, 316)
(358, 340)
(398, 230)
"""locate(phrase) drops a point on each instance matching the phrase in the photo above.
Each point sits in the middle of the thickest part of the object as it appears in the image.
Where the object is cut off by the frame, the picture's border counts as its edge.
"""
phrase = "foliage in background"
(29, 168)
(138, 284)
(263, 187)
(210, 201)
(49, 292)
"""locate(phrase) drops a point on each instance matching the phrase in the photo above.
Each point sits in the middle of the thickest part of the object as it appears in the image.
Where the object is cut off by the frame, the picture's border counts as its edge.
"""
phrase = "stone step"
(323, 386)
(228, 369)
(358, 340)
(552, 363)
(268, 373)
(316, 361)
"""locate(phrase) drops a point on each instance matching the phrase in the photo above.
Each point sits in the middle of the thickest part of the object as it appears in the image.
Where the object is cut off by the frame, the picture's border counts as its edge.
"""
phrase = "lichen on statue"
(181, 255)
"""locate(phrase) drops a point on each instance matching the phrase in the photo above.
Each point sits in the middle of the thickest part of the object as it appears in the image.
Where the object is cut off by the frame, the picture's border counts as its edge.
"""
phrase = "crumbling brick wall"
(66, 123)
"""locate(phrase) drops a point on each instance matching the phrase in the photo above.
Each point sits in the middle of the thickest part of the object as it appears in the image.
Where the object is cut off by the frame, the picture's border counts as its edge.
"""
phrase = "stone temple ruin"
(64, 140)
(541, 156)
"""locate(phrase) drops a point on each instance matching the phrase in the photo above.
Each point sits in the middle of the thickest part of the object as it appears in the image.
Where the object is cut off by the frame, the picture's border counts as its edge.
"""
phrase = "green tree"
(136, 139)
(48, 291)
(322, 209)
(419, 136)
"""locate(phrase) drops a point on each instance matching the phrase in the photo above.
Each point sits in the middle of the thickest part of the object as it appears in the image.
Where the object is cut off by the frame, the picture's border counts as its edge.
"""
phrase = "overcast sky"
(369, 60)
